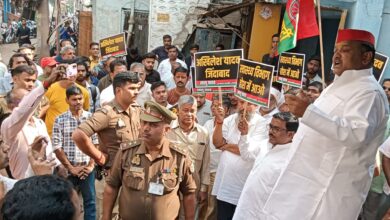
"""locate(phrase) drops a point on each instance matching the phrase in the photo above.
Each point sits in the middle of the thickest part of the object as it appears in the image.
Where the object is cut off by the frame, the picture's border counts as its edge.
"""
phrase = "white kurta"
(332, 158)
(260, 182)
(234, 169)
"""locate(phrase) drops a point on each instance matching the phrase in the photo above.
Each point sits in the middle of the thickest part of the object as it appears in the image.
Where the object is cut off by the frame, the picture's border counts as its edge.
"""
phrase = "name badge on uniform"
(121, 123)
(137, 169)
(156, 188)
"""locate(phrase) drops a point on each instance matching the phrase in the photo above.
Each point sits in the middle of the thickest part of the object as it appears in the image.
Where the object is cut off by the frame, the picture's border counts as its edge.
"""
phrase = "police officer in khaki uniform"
(116, 122)
(151, 171)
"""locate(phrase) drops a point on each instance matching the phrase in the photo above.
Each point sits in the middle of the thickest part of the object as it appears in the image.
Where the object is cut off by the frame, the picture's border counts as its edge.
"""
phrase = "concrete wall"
(107, 18)
(173, 17)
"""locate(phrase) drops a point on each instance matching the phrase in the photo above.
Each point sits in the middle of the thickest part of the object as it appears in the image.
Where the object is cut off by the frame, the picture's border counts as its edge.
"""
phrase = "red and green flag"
(299, 22)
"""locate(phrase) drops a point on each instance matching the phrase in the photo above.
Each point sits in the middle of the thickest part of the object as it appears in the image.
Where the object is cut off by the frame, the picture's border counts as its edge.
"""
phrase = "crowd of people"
(130, 138)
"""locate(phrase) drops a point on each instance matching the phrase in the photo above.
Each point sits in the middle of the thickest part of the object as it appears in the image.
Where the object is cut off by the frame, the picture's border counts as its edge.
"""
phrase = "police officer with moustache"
(151, 171)
(116, 122)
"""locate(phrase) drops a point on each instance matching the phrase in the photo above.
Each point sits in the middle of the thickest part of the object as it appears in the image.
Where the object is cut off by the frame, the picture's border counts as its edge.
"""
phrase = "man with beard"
(312, 71)
(144, 94)
(332, 156)
(67, 54)
(234, 168)
(233, 107)
(166, 66)
(148, 61)
(181, 78)
(276, 100)
(150, 172)
(82, 80)
(314, 90)
(160, 94)
(56, 94)
(80, 167)
(203, 112)
(194, 138)
(162, 52)
(386, 88)
(266, 169)
(117, 67)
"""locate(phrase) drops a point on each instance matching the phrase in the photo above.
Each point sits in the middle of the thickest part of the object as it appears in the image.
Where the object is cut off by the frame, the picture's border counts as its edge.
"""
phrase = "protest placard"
(380, 62)
(113, 46)
(290, 69)
(217, 68)
(207, 90)
(254, 82)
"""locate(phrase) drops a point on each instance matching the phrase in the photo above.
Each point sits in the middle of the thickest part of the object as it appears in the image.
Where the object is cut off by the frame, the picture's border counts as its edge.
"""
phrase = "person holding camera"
(56, 94)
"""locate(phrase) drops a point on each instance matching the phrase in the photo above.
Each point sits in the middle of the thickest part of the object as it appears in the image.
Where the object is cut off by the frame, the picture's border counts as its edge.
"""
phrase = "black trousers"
(225, 210)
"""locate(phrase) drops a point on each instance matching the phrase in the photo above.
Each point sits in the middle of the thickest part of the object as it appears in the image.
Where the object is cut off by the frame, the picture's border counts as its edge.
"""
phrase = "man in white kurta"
(233, 167)
(332, 158)
(267, 168)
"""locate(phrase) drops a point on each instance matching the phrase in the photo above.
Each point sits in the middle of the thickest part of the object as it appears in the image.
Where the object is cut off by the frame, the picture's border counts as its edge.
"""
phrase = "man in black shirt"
(148, 61)
(162, 51)
(23, 34)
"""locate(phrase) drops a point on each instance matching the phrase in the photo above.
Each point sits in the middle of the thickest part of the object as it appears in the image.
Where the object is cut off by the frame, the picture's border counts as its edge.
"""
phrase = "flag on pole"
(307, 24)
(299, 22)
(288, 33)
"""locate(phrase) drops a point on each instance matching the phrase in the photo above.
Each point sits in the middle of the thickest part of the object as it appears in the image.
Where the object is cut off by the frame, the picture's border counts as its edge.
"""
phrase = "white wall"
(182, 16)
(106, 16)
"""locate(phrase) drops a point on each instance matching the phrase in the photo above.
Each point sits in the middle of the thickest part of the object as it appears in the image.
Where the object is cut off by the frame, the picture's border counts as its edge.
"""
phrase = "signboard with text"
(208, 90)
(217, 68)
(113, 46)
(290, 69)
(254, 82)
(380, 62)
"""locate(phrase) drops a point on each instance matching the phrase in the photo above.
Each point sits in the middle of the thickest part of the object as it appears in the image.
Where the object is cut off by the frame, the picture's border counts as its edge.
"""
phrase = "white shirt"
(107, 95)
(316, 78)
(260, 182)
(144, 94)
(165, 70)
(39, 69)
(268, 117)
(385, 150)
(19, 132)
(215, 154)
(203, 113)
(233, 169)
(332, 156)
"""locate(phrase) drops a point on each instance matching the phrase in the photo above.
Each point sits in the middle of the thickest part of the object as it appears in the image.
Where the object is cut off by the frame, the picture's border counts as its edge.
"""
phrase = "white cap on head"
(278, 96)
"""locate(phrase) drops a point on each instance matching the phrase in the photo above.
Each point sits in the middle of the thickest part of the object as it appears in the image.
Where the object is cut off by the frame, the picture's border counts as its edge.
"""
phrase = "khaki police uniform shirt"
(197, 143)
(134, 170)
(113, 126)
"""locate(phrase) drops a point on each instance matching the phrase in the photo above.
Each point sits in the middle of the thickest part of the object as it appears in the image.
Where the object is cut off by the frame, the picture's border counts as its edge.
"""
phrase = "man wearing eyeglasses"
(266, 169)
(332, 160)
(236, 161)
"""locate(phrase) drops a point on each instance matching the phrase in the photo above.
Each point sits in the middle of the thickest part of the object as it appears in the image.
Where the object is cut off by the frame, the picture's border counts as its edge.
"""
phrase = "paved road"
(6, 50)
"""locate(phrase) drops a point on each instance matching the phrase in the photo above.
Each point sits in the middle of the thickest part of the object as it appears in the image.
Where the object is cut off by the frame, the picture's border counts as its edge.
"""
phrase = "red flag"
(307, 23)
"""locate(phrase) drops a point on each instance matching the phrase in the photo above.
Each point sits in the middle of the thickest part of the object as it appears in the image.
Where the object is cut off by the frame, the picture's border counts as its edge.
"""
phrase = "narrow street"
(7, 50)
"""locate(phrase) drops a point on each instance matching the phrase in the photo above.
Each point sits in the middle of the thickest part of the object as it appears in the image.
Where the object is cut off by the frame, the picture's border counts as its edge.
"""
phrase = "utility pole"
(43, 28)
(58, 19)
